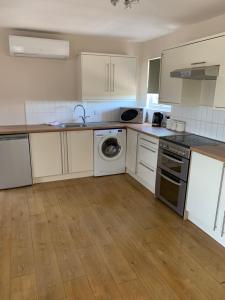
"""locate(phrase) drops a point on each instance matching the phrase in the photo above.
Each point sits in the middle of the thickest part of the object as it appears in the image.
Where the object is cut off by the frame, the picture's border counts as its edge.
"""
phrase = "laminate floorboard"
(103, 238)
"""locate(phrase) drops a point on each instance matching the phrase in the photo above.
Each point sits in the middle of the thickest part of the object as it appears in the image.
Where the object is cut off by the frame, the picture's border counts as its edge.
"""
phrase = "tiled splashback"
(201, 120)
(38, 112)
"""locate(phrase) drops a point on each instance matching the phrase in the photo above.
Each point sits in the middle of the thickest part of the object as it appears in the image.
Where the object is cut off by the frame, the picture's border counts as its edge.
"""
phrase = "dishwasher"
(15, 162)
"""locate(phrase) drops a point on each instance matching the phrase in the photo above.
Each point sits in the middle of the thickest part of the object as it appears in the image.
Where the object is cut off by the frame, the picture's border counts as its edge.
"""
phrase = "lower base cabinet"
(61, 155)
(142, 155)
(205, 204)
(46, 154)
(80, 151)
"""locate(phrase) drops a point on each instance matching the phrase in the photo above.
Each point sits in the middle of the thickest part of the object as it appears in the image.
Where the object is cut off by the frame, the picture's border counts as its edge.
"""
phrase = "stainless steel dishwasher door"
(15, 163)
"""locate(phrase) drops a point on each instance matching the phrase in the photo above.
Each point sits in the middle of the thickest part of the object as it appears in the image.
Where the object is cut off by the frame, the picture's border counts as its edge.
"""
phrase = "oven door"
(174, 164)
(171, 191)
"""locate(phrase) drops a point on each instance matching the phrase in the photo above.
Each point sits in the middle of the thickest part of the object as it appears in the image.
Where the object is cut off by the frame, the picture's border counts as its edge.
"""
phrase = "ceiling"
(146, 20)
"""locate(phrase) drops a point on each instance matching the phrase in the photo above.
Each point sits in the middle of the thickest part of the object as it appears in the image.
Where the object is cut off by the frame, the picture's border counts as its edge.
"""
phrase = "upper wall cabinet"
(107, 77)
(207, 52)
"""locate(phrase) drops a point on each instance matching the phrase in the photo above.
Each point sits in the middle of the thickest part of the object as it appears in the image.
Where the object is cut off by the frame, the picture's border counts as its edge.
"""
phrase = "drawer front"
(146, 173)
(147, 155)
(149, 141)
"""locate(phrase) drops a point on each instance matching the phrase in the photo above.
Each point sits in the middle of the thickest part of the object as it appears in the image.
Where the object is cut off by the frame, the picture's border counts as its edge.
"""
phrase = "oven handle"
(173, 159)
(170, 180)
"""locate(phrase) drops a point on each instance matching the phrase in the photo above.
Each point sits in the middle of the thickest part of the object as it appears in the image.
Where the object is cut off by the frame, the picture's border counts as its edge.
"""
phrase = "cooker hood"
(199, 73)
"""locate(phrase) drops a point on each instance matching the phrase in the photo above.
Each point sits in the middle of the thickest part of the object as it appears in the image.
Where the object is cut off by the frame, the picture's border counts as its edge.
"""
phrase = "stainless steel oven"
(172, 175)
(173, 168)
(173, 163)
(171, 190)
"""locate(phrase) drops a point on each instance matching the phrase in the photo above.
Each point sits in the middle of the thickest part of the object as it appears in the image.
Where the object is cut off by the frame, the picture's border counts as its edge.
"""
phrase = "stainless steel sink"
(80, 125)
(72, 125)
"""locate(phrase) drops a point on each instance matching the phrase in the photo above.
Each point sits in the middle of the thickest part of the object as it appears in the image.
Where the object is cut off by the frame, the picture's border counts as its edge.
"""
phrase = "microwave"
(132, 114)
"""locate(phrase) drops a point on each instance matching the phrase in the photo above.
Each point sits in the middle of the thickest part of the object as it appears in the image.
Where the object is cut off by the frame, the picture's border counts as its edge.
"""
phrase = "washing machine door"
(110, 148)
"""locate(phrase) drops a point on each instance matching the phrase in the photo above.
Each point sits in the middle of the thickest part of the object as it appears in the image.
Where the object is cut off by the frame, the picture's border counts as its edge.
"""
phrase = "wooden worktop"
(213, 151)
(143, 128)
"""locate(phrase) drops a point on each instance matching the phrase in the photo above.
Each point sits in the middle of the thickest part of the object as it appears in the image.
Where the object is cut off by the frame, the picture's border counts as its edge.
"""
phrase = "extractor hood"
(199, 73)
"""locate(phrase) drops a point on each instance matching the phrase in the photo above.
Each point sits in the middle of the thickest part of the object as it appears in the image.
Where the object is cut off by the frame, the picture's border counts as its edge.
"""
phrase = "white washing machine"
(109, 151)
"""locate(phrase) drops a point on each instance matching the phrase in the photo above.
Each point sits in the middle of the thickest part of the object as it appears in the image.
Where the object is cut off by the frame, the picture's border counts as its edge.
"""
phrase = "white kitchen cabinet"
(107, 77)
(80, 151)
(200, 53)
(205, 202)
(123, 77)
(131, 156)
(46, 154)
(147, 160)
(170, 88)
(95, 77)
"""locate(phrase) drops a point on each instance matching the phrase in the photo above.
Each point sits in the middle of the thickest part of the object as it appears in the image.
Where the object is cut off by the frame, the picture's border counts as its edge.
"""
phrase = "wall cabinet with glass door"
(107, 77)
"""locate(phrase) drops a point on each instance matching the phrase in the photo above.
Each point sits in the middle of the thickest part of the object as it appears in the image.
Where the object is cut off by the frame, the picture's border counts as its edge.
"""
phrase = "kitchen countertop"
(215, 151)
(143, 128)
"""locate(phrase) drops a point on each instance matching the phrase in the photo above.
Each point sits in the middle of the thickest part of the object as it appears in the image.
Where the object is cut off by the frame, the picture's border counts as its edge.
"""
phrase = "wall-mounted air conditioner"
(38, 47)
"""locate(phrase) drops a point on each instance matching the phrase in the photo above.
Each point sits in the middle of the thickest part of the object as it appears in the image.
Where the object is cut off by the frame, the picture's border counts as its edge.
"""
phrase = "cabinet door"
(46, 154)
(202, 53)
(95, 70)
(203, 191)
(123, 78)
(220, 220)
(131, 156)
(170, 88)
(80, 151)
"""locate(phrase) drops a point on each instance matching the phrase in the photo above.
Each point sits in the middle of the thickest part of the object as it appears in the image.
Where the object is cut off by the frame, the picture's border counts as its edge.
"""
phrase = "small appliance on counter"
(157, 119)
(132, 114)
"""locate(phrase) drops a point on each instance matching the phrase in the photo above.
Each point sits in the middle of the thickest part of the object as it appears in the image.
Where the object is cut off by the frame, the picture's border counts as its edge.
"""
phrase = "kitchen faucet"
(84, 117)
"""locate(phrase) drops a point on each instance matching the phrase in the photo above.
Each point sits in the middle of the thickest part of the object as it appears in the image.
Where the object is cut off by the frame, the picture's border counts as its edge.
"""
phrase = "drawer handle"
(148, 148)
(219, 198)
(150, 169)
(170, 180)
(148, 141)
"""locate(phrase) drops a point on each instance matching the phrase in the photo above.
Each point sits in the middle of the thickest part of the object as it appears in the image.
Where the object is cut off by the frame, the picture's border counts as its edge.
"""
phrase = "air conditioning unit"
(38, 47)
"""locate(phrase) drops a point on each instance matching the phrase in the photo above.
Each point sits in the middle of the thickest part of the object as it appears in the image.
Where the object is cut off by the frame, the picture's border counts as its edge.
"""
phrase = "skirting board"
(141, 181)
(63, 177)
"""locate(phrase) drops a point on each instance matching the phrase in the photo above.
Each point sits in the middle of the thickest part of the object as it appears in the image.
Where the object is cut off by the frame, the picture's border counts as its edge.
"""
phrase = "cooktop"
(190, 140)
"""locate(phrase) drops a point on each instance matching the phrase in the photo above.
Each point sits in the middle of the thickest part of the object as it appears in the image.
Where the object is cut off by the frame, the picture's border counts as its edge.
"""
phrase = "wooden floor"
(102, 238)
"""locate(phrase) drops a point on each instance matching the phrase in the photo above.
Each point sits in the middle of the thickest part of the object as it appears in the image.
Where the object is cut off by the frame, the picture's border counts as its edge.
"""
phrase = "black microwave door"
(129, 115)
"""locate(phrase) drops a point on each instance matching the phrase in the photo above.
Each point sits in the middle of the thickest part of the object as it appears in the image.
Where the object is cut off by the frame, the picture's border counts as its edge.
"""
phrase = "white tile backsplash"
(38, 112)
(201, 120)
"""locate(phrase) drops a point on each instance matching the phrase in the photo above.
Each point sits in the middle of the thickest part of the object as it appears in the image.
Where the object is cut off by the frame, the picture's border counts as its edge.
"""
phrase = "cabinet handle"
(153, 151)
(198, 63)
(223, 226)
(150, 169)
(61, 148)
(143, 139)
(108, 76)
(136, 154)
(219, 198)
(113, 78)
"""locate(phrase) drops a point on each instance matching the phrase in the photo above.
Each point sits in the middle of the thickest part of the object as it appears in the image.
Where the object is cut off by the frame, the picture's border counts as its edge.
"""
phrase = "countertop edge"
(215, 152)
(142, 128)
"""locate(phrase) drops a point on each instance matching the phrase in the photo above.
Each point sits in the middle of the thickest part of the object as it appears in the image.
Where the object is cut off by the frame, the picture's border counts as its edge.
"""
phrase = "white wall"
(38, 112)
(35, 79)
